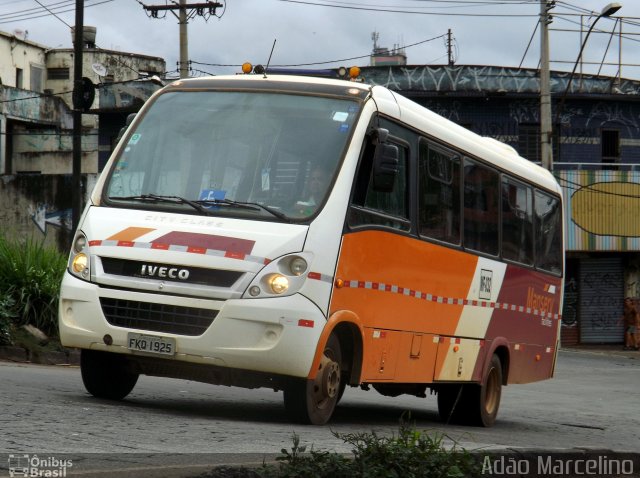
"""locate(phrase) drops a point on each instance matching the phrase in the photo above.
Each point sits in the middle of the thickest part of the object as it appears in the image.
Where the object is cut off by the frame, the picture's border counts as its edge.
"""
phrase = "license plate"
(151, 343)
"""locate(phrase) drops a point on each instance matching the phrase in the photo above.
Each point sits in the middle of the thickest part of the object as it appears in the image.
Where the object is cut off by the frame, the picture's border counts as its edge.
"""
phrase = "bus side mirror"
(386, 166)
(128, 121)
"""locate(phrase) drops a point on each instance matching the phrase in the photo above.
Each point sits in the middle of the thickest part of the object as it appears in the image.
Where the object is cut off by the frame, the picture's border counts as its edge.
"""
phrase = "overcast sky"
(313, 31)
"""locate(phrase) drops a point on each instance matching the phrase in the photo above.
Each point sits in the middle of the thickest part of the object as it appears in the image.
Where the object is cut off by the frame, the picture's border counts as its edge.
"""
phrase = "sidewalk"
(11, 353)
(602, 349)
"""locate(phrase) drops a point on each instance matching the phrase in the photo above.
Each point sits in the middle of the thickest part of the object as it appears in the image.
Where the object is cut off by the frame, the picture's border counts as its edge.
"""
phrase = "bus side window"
(371, 207)
(481, 189)
(548, 232)
(517, 222)
(439, 194)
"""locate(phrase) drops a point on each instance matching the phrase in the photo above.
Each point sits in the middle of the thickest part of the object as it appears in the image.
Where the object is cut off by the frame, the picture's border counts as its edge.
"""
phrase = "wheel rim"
(327, 382)
(492, 392)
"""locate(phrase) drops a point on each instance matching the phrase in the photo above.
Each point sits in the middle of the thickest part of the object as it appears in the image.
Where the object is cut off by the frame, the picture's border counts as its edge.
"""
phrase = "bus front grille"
(153, 317)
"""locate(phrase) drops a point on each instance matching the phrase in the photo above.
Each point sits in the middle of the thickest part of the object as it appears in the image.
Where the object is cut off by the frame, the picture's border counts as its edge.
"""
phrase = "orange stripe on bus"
(130, 234)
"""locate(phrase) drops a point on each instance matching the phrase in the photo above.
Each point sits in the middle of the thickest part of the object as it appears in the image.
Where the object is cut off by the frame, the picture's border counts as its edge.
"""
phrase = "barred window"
(58, 73)
(529, 142)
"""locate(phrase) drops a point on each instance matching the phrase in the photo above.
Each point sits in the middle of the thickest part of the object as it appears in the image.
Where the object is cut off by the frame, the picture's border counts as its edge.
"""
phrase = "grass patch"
(408, 454)
(30, 276)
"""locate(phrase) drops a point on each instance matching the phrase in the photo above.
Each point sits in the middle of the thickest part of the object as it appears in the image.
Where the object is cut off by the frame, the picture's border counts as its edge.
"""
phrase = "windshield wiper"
(246, 205)
(201, 204)
(159, 198)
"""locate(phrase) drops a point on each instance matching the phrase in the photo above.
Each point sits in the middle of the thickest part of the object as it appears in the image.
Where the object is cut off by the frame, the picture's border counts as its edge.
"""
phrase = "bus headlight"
(278, 283)
(282, 276)
(79, 258)
(298, 266)
(79, 263)
(79, 244)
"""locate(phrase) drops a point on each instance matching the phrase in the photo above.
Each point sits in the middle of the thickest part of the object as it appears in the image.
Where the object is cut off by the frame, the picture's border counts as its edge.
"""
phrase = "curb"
(610, 351)
(19, 354)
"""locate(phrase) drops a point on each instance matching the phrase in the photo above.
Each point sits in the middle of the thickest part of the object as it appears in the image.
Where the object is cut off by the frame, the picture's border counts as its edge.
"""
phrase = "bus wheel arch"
(351, 344)
(502, 351)
(348, 328)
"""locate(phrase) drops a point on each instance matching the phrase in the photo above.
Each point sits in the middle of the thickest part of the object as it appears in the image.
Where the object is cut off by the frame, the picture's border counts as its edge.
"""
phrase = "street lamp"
(607, 11)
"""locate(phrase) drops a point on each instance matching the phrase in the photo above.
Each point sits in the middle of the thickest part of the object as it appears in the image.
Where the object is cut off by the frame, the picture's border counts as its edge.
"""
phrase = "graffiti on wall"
(602, 302)
(488, 79)
(580, 120)
(621, 114)
(570, 303)
(581, 123)
(42, 218)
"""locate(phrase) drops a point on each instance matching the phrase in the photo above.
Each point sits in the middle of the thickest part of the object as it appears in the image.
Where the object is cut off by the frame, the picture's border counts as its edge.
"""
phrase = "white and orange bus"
(305, 234)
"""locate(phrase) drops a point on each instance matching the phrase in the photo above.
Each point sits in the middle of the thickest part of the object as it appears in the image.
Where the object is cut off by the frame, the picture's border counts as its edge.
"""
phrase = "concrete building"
(36, 98)
(596, 145)
(382, 56)
(36, 126)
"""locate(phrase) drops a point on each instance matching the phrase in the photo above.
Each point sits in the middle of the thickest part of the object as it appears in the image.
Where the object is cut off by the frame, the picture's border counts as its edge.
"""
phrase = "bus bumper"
(274, 335)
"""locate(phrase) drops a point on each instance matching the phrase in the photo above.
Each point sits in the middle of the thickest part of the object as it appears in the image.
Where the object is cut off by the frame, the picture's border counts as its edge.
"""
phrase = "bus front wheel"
(313, 401)
(106, 375)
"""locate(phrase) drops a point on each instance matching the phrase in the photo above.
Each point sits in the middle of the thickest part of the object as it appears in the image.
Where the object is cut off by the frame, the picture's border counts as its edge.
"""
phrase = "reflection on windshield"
(218, 149)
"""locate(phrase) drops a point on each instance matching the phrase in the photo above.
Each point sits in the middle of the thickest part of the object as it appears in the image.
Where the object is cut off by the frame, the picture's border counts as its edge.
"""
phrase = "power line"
(29, 11)
(456, 4)
(67, 2)
(52, 13)
(389, 10)
(7, 17)
(327, 61)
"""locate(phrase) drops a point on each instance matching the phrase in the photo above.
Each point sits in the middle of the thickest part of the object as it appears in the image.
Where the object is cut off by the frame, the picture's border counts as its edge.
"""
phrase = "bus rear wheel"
(473, 404)
(313, 401)
(106, 375)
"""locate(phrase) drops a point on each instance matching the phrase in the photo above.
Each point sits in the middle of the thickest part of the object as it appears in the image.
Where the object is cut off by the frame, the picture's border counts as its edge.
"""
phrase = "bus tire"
(313, 401)
(484, 400)
(481, 402)
(106, 375)
(473, 404)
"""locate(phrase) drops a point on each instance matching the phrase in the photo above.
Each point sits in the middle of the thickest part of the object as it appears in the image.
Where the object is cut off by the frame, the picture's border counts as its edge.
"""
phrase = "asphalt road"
(591, 403)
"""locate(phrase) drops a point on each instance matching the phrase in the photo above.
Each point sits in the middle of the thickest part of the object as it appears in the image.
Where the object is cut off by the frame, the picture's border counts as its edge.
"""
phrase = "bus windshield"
(242, 154)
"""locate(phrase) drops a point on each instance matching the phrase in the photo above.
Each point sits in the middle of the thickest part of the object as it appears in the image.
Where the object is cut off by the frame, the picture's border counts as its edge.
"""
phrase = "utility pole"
(546, 150)
(449, 47)
(76, 166)
(186, 11)
(184, 41)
